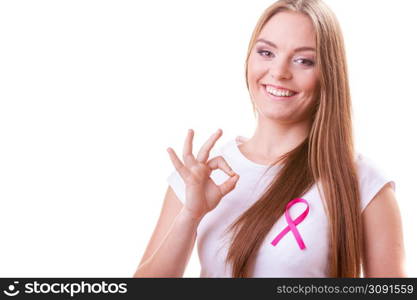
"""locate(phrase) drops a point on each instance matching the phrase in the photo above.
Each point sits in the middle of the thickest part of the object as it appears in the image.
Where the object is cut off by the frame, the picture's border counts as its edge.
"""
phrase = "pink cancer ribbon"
(292, 224)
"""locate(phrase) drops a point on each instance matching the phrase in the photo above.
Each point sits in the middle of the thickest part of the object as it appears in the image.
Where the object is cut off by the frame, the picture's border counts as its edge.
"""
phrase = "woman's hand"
(202, 194)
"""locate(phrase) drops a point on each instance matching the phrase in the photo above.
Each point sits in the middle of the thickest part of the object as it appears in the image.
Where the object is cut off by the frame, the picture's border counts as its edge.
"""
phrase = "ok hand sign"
(202, 194)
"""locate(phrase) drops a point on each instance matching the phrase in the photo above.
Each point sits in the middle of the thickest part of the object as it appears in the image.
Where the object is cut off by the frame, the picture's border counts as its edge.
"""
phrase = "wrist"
(185, 213)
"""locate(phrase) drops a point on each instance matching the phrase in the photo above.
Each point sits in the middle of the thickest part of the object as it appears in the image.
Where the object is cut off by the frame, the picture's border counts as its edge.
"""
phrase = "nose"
(280, 70)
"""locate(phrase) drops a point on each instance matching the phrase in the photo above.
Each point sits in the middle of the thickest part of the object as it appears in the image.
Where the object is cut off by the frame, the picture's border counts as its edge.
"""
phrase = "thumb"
(227, 186)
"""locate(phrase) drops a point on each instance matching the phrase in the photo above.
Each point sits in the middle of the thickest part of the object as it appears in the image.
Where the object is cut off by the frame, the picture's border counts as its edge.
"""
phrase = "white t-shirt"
(285, 259)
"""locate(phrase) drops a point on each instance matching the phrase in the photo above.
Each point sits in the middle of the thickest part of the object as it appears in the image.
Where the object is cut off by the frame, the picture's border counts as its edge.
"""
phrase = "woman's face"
(283, 62)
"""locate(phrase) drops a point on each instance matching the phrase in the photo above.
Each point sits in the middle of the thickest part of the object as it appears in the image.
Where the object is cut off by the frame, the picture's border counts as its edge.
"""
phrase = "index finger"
(204, 152)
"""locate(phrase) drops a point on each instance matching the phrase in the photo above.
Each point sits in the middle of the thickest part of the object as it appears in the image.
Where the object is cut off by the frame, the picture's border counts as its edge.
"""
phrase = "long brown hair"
(325, 157)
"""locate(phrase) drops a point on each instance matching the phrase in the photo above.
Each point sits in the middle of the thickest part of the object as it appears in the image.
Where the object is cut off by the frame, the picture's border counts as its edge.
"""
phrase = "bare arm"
(172, 241)
(384, 254)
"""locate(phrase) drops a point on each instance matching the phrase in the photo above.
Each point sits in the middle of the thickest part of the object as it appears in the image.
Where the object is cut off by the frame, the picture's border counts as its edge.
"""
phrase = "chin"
(276, 116)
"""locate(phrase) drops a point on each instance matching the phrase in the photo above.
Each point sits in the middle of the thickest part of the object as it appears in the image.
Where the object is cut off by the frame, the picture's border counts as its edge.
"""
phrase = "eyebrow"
(275, 46)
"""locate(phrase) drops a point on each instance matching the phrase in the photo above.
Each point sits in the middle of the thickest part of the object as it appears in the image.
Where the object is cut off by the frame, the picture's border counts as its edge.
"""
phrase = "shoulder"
(366, 165)
(372, 178)
(383, 237)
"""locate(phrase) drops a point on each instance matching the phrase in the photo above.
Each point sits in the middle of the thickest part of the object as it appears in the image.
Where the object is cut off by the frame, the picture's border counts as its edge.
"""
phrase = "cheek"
(309, 83)
(255, 70)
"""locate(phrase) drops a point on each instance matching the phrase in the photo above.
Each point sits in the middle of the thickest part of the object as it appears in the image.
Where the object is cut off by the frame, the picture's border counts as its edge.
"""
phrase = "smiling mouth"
(278, 94)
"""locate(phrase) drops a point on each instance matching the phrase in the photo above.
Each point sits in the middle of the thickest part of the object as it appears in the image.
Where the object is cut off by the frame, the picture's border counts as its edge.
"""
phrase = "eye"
(261, 52)
(305, 62)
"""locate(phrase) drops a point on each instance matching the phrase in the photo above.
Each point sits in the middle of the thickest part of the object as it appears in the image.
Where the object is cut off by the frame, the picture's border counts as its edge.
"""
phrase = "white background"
(93, 92)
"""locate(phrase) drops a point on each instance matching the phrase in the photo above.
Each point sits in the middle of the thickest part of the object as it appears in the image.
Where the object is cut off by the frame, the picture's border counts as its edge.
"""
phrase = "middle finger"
(204, 152)
(187, 154)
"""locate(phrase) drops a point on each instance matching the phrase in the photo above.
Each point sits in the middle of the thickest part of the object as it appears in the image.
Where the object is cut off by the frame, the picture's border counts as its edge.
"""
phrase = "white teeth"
(279, 93)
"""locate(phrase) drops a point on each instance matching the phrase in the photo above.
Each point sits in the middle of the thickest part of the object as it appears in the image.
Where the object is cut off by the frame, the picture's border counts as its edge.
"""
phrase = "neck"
(271, 139)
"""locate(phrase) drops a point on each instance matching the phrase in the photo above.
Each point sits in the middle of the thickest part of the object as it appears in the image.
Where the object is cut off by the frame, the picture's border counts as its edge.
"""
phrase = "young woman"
(295, 199)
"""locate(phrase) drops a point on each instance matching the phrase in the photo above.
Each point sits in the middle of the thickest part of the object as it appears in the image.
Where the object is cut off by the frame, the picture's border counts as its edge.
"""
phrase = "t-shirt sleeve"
(177, 184)
(371, 180)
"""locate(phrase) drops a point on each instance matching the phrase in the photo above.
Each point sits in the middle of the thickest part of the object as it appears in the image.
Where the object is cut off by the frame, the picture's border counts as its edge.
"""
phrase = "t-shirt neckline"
(244, 160)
